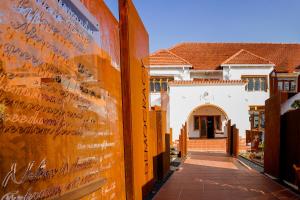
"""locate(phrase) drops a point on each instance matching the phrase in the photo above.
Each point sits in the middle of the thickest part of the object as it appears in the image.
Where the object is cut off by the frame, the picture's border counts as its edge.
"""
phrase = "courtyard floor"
(216, 176)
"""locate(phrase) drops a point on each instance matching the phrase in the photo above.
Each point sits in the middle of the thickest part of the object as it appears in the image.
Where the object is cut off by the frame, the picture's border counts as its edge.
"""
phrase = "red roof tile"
(209, 56)
(245, 57)
(165, 57)
(208, 82)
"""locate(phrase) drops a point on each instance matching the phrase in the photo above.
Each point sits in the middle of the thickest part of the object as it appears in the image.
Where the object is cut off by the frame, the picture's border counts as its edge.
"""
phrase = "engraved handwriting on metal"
(29, 175)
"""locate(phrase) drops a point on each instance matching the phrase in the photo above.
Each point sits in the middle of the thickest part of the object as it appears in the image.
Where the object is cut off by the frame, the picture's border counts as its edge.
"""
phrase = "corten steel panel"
(60, 101)
(153, 141)
(229, 137)
(298, 83)
(160, 132)
(236, 140)
(273, 84)
(272, 134)
(290, 148)
(171, 137)
(157, 120)
(167, 155)
(135, 89)
(185, 139)
(164, 101)
(180, 143)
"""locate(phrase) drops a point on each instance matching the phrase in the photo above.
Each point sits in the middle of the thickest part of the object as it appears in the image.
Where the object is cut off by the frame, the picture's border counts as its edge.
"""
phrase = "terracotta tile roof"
(165, 57)
(209, 56)
(208, 82)
(246, 57)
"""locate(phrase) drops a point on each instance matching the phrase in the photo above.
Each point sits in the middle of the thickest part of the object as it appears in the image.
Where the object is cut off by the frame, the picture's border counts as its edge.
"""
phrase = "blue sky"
(173, 21)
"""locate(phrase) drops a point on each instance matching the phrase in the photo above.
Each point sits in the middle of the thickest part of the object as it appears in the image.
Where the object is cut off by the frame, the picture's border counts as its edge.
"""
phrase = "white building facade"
(211, 83)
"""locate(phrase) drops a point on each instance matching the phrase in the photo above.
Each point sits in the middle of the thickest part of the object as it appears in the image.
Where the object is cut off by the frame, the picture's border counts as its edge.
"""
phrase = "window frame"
(195, 117)
(258, 111)
(283, 82)
(254, 80)
(161, 80)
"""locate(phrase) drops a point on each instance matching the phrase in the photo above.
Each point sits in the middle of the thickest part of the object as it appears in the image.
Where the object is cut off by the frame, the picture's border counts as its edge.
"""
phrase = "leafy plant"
(296, 104)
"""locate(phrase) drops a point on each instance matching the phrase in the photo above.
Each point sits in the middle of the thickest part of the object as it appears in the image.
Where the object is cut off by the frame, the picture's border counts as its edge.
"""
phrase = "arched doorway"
(207, 121)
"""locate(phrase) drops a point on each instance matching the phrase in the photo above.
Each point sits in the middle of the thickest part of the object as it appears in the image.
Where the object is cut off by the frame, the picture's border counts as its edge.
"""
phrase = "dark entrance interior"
(210, 127)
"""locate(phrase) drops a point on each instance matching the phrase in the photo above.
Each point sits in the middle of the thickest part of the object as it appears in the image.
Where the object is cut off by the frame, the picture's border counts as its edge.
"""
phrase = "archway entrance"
(207, 122)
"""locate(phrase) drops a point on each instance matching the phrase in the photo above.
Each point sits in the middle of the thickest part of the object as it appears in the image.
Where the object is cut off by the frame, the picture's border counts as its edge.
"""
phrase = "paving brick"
(215, 176)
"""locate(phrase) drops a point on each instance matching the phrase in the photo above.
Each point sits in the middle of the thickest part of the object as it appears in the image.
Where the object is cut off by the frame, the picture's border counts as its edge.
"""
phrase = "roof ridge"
(171, 55)
(182, 82)
(237, 53)
(179, 57)
(258, 56)
(182, 43)
(157, 51)
(249, 52)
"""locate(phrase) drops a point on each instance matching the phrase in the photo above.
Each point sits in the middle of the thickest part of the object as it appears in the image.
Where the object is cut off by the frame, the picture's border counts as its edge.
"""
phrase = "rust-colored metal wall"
(229, 138)
(298, 83)
(135, 89)
(60, 101)
(183, 137)
(272, 134)
(233, 139)
(236, 140)
(290, 148)
(161, 140)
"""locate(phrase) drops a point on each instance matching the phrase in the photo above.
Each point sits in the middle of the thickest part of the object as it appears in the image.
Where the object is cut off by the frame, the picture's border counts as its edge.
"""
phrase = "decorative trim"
(208, 82)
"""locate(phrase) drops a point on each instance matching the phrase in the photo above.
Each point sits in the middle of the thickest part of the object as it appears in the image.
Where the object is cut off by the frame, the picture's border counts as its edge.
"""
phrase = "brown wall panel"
(236, 140)
(290, 148)
(272, 134)
(60, 101)
(134, 60)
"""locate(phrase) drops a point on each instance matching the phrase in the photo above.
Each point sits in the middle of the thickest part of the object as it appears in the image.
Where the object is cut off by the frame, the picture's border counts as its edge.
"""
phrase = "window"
(262, 121)
(288, 85)
(255, 83)
(250, 84)
(159, 84)
(280, 85)
(151, 86)
(257, 117)
(164, 86)
(293, 86)
(218, 123)
(196, 122)
(255, 120)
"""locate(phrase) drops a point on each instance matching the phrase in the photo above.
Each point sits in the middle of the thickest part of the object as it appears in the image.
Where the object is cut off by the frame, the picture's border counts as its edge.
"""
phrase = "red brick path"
(215, 176)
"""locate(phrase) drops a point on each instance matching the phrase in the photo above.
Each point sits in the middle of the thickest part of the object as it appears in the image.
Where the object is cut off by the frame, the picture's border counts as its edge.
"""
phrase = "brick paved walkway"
(215, 176)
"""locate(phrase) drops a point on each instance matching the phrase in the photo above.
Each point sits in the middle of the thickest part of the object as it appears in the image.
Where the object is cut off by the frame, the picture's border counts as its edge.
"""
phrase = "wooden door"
(203, 127)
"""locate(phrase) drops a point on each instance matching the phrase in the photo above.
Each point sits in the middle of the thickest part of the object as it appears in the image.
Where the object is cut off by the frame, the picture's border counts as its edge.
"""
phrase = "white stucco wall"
(178, 72)
(231, 98)
(155, 99)
(236, 73)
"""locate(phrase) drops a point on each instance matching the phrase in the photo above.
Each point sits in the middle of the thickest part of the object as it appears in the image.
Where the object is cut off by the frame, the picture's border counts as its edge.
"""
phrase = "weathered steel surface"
(60, 101)
(272, 134)
(290, 148)
(135, 88)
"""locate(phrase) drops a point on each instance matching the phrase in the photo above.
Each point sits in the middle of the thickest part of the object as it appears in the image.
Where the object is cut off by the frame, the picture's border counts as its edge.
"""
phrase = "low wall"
(207, 145)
